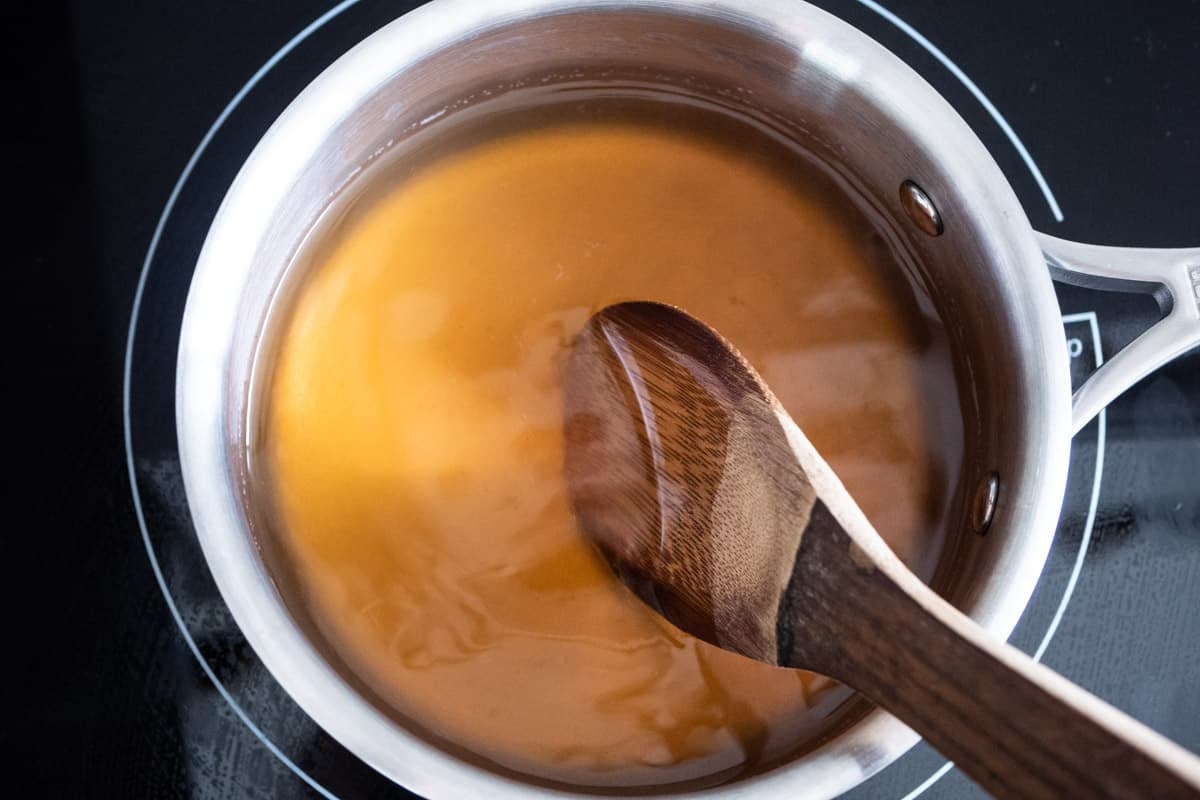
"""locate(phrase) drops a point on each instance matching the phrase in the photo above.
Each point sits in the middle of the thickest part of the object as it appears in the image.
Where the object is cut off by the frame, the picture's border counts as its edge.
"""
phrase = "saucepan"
(845, 99)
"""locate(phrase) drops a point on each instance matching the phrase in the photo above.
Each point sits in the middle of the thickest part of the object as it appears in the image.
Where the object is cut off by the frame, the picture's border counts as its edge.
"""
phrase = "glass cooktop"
(145, 687)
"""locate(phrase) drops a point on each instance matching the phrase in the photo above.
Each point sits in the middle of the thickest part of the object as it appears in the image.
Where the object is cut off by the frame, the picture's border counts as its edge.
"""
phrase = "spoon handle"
(1014, 726)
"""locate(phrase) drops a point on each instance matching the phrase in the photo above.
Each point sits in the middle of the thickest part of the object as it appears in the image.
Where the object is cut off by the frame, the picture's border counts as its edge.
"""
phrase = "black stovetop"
(128, 677)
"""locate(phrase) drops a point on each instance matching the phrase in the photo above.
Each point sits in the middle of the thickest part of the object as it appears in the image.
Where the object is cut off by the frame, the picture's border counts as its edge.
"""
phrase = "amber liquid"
(412, 437)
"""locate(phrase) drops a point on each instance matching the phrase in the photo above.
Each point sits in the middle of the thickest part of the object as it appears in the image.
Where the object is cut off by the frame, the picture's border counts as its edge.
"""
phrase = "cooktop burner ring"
(186, 174)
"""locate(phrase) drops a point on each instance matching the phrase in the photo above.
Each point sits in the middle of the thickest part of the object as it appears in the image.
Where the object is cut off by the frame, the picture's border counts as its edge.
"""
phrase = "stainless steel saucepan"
(838, 94)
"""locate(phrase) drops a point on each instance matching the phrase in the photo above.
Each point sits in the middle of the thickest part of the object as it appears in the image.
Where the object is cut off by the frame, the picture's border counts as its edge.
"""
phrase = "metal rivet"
(983, 505)
(920, 208)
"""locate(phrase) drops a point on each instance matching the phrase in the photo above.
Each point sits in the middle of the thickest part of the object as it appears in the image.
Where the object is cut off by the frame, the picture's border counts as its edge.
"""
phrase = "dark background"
(111, 102)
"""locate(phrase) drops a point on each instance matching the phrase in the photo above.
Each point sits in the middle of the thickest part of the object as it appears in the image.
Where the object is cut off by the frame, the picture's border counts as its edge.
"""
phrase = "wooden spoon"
(711, 504)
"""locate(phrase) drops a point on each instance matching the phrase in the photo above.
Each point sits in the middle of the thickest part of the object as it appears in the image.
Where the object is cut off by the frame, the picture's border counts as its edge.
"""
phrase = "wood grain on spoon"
(711, 504)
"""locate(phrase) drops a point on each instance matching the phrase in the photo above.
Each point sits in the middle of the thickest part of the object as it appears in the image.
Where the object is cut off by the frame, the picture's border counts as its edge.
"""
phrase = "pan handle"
(1171, 275)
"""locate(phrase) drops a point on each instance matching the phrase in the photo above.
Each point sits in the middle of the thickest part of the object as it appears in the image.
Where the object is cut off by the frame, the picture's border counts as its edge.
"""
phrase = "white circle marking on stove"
(1093, 502)
(169, 206)
(172, 198)
(978, 94)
